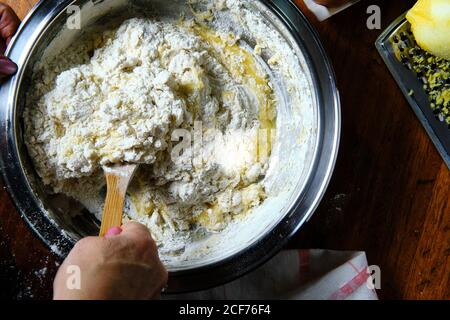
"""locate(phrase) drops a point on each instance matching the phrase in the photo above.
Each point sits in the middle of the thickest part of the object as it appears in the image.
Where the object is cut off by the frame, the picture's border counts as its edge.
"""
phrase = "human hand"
(331, 3)
(9, 23)
(122, 265)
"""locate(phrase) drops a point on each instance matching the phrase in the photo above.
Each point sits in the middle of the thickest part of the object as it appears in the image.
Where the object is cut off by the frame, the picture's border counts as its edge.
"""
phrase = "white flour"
(123, 95)
(144, 80)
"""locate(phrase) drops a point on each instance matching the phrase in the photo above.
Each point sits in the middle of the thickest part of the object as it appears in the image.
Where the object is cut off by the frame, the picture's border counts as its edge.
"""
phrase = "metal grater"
(394, 46)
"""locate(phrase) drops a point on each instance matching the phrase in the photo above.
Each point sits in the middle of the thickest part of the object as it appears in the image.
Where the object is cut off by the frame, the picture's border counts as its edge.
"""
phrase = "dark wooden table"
(388, 196)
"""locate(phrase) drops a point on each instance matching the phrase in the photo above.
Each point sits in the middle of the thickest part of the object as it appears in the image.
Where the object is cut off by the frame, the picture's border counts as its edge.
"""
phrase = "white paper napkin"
(299, 275)
(322, 12)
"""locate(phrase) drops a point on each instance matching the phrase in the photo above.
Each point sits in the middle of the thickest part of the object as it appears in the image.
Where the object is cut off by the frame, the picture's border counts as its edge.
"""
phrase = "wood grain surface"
(388, 196)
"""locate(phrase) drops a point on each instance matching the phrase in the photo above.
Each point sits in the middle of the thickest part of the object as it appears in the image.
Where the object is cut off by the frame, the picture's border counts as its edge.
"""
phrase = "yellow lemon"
(430, 24)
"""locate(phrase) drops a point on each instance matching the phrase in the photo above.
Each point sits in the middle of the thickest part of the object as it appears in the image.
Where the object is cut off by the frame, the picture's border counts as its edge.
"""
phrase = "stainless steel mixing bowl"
(59, 231)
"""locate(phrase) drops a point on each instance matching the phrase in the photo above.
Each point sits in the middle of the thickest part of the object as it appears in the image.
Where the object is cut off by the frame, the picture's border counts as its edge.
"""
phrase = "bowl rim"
(238, 264)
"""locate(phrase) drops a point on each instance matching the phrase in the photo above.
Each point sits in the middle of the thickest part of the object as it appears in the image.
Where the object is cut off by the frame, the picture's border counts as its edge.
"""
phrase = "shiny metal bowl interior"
(60, 231)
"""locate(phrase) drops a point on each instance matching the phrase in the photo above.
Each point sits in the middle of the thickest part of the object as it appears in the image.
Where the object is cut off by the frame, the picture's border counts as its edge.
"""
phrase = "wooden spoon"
(118, 177)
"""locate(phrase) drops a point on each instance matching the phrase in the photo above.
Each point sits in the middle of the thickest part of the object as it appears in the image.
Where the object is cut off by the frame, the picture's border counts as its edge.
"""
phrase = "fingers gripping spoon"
(118, 178)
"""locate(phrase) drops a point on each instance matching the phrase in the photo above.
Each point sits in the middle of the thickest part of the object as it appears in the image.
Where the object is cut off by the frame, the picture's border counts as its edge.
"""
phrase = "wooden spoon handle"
(115, 198)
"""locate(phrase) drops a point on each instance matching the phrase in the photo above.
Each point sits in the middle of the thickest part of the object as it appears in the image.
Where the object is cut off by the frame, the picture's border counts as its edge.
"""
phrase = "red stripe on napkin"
(351, 286)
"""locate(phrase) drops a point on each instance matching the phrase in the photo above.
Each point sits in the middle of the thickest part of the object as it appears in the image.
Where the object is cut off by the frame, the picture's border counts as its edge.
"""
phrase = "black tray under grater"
(413, 88)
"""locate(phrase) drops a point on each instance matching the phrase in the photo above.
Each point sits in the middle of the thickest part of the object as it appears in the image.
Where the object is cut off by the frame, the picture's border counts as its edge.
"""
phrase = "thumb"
(7, 67)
